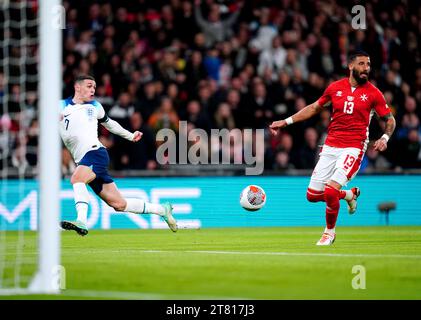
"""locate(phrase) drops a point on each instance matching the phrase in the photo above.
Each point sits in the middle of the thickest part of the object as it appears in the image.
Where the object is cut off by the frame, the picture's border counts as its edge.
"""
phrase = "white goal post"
(47, 275)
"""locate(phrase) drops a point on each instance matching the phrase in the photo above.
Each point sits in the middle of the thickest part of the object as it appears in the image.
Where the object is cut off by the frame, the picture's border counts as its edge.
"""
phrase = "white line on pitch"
(139, 295)
(305, 254)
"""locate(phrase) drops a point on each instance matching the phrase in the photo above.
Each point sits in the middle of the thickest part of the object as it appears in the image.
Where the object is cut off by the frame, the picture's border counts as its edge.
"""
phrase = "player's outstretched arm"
(390, 126)
(302, 115)
(115, 128)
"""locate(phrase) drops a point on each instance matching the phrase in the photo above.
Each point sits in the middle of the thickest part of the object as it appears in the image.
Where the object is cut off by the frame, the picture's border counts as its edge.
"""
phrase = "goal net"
(29, 147)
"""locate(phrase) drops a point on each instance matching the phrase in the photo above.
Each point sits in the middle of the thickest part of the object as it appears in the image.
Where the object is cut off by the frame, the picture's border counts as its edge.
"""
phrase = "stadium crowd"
(235, 64)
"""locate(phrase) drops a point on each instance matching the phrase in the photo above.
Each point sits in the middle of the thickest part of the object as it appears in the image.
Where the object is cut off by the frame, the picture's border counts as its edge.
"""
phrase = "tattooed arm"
(390, 121)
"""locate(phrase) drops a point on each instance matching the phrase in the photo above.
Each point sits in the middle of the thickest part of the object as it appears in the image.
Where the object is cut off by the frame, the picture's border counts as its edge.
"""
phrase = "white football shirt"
(79, 126)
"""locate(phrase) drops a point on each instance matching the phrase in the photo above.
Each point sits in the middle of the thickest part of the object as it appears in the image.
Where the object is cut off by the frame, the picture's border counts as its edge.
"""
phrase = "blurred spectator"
(95, 22)
(32, 143)
(323, 60)
(314, 87)
(410, 150)
(149, 100)
(273, 59)
(14, 99)
(195, 70)
(374, 160)
(223, 117)
(174, 94)
(103, 98)
(122, 111)
(195, 115)
(307, 155)
(141, 154)
(164, 117)
(122, 25)
(29, 110)
(19, 159)
(167, 67)
(212, 63)
(146, 73)
(240, 47)
(303, 54)
(128, 62)
(238, 110)
(214, 28)
(322, 125)
(282, 162)
(281, 91)
(286, 143)
(225, 70)
(205, 98)
(85, 45)
(409, 119)
(291, 62)
(265, 31)
(261, 105)
(390, 45)
(185, 22)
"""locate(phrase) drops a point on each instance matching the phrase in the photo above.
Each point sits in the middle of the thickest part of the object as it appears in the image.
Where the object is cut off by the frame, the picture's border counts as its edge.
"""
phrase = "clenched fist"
(276, 125)
(137, 136)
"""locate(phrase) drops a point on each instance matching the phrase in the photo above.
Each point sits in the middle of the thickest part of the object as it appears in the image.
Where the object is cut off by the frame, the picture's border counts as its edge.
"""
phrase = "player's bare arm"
(381, 144)
(302, 115)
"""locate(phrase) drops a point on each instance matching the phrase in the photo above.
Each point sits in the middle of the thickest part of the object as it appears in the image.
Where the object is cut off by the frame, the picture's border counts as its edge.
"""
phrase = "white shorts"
(337, 164)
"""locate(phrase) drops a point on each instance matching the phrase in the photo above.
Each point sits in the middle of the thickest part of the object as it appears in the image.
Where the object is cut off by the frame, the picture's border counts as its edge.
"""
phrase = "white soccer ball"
(252, 198)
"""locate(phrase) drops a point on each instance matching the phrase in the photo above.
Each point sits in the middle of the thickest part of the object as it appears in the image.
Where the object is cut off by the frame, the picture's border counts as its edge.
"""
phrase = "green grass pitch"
(234, 263)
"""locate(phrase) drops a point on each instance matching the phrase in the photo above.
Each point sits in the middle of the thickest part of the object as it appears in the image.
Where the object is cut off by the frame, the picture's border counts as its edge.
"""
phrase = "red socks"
(332, 197)
(315, 195)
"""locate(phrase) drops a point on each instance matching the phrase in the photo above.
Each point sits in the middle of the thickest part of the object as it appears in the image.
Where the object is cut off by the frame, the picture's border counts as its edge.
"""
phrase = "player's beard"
(358, 78)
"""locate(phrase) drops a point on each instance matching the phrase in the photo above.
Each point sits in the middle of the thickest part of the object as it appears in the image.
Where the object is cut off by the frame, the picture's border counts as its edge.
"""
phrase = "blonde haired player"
(354, 101)
(79, 120)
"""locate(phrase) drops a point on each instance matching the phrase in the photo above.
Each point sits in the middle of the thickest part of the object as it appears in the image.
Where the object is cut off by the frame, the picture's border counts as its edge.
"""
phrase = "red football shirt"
(352, 110)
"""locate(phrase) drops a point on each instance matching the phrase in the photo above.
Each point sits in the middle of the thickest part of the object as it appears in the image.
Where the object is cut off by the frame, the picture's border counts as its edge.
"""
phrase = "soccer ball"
(252, 198)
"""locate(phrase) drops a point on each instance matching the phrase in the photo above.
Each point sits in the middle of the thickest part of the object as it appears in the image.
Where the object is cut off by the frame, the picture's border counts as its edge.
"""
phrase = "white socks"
(348, 195)
(330, 231)
(140, 206)
(133, 205)
(81, 201)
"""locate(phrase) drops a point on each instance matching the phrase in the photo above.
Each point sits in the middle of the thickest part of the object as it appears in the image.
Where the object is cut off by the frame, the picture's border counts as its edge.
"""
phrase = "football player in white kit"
(79, 119)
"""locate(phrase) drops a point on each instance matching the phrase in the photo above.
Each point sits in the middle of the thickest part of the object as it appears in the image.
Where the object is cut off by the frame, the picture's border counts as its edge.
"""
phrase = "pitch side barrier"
(209, 202)
(205, 171)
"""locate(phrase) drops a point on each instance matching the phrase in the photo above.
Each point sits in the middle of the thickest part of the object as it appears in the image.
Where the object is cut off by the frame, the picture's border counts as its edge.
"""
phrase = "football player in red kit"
(354, 101)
